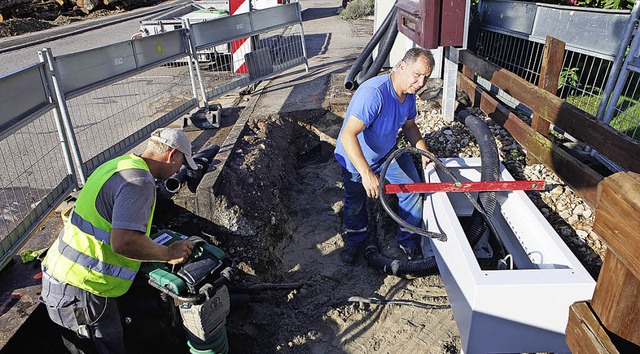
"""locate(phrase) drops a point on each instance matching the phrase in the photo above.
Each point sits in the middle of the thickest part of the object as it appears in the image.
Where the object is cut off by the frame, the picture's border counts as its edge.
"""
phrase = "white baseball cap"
(176, 138)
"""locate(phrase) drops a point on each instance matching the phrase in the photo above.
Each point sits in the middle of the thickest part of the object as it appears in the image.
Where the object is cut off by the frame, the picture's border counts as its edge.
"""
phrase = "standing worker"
(97, 254)
(380, 107)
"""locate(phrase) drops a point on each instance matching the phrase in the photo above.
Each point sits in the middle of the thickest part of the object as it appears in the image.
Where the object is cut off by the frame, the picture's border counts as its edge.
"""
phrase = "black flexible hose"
(372, 300)
(384, 48)
(423, 267)
(365, 67)
(349, 80)
(383, 200)
(403, 269)
(490, 161)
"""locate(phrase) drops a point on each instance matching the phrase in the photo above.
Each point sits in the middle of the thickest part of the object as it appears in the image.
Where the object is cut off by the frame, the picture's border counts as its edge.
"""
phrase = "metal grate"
(105, 118)
(520, 56)
(582, 79)
(33, 168)
(235, 64)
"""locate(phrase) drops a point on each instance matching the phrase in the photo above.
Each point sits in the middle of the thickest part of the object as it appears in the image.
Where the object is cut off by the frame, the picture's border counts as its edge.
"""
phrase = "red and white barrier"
(242, 46)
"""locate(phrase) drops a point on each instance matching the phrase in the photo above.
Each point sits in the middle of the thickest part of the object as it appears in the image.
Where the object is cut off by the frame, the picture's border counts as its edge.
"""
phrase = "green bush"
(357, 9)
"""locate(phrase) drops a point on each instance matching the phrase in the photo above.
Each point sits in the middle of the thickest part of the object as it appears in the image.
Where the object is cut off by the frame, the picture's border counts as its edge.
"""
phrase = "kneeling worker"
(97, 254)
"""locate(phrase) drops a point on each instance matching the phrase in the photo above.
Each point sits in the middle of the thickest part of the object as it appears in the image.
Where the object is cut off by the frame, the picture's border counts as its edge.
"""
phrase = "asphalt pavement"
(34, 38)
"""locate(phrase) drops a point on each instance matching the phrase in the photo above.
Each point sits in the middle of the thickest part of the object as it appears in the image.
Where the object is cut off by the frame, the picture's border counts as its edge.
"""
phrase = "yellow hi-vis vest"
(82, 255)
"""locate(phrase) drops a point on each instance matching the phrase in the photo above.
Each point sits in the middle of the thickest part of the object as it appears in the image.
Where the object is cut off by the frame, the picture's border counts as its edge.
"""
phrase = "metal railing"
(63, 117)
(513, 34)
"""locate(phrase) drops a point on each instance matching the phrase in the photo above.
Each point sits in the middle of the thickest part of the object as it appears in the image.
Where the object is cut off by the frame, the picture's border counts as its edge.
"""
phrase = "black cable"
(441, 166)
(350, 80)
(372, 300)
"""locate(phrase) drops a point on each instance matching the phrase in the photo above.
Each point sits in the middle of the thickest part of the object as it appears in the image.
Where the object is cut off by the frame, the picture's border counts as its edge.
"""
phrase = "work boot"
(349, 254)
(413, 253)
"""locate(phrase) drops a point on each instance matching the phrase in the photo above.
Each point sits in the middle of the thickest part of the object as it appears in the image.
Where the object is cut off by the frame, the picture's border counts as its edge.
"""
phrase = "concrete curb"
(202, 202)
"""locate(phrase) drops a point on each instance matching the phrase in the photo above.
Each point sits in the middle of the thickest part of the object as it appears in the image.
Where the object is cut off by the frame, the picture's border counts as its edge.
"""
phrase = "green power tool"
(199, 289)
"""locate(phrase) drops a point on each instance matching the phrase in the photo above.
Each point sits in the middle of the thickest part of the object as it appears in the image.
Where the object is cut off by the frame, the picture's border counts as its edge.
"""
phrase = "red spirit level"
(494, 186)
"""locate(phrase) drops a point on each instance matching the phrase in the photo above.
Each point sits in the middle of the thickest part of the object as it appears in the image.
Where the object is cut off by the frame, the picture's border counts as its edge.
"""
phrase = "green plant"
(569, 77)
(585, 102)
(357, 9)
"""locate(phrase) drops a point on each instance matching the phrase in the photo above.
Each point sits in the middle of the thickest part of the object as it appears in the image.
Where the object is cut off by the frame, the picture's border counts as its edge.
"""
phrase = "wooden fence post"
(552, 58)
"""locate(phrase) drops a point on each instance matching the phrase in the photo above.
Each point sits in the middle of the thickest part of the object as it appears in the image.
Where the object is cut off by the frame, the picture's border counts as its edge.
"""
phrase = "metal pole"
(304, 46)
(64, 115)
(190, 64)
(449, 83)
(611, 81)
(194, 57)
(66, 152)
(621, 80)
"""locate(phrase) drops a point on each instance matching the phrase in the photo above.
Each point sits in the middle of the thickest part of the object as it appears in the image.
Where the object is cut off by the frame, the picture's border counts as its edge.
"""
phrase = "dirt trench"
(278, 212)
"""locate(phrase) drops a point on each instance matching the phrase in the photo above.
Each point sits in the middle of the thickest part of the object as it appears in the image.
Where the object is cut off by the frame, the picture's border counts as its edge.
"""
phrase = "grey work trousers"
(92, 322)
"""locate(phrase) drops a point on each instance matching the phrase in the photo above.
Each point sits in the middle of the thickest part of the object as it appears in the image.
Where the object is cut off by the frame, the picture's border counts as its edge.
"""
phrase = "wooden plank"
(582, 179)
(584, 332)
(617, 219)
(552, 58)
(615, 299)
(581, 125)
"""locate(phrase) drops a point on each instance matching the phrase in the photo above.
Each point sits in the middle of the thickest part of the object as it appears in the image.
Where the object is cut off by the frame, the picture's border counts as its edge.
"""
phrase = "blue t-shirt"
(376, 104)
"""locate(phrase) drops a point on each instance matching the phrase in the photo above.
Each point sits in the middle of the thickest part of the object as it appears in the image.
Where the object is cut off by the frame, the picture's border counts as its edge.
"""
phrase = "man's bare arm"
(412, 133)
(136, 245)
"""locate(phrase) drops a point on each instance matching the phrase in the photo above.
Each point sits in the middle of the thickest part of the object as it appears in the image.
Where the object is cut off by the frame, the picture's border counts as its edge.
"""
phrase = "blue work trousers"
(402, 170)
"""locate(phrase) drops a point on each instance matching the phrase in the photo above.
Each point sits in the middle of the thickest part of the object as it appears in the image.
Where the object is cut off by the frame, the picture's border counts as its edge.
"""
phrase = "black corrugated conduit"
(490, 161)
(384, 49)
(428, 266)
(191, 177)
(350, 82)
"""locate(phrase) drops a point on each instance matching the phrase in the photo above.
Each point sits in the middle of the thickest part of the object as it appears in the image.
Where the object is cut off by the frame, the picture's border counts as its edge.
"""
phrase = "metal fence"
(513, 34)
(61, 118)
(582, 79)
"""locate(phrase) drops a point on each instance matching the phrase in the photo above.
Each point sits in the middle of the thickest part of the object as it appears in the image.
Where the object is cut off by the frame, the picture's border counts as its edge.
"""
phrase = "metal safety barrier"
(63, 117)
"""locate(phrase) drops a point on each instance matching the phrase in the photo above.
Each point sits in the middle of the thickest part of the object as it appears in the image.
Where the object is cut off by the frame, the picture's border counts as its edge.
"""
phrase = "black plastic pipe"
(349, 80)
(402, 269)
(490, 161)
(383, 53)
(191, 177)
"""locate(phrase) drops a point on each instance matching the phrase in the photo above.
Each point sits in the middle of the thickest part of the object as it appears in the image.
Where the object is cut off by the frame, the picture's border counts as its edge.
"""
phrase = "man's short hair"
(412, 55)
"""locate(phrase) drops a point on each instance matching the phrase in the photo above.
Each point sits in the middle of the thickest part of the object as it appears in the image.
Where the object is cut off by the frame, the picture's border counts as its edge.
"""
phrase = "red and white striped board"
(242, 46)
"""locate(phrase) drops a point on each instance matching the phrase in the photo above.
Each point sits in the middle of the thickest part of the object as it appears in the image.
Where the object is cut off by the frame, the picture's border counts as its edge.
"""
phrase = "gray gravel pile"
(562, 207)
